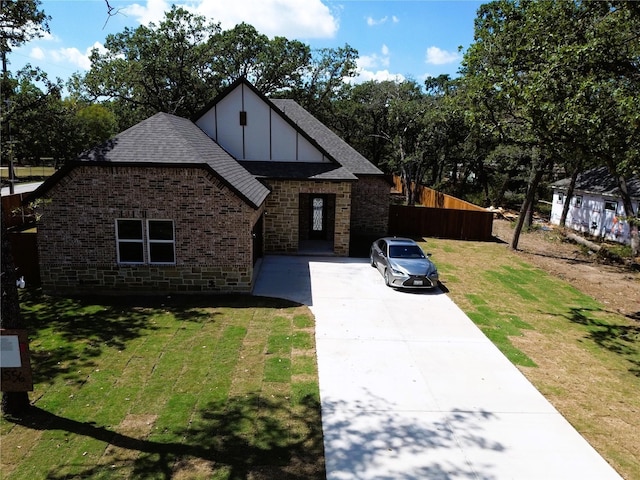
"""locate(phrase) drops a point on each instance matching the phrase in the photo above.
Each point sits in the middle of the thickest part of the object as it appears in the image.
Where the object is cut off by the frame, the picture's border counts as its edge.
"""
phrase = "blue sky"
(396, 39)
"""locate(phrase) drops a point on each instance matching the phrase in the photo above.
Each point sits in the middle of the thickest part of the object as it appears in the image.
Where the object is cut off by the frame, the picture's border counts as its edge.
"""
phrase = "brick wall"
(370, 206)
(76, 234)
(283, 210)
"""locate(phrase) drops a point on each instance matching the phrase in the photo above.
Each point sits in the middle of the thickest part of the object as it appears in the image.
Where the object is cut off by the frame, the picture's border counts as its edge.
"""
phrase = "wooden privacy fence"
(24, 245)
(14, 212)
(439, 215)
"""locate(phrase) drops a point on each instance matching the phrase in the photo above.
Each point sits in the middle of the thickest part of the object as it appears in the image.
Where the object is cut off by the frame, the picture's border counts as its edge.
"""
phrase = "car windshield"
(405, 251)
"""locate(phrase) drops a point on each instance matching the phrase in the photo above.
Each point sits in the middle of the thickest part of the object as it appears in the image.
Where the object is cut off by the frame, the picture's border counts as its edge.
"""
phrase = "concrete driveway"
(411, 389)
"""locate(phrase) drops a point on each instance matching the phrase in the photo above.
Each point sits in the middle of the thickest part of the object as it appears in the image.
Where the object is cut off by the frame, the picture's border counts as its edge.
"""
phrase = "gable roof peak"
(169, 140)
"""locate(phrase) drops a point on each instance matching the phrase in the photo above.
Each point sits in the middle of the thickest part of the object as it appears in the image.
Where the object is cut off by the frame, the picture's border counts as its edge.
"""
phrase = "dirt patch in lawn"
(616, 286)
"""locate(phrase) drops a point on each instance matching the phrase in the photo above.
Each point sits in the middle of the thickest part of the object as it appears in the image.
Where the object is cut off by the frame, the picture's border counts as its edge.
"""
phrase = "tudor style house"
(171, 205)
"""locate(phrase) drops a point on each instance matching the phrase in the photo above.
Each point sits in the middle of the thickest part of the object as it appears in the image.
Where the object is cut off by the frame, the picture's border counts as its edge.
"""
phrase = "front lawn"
(222, 388)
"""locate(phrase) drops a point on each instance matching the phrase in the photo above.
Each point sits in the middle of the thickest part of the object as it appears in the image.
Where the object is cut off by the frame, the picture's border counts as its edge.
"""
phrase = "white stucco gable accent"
(251, 129)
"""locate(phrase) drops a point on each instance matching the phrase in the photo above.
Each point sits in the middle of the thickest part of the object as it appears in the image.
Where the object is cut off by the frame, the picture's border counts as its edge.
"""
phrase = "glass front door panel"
(318, 214)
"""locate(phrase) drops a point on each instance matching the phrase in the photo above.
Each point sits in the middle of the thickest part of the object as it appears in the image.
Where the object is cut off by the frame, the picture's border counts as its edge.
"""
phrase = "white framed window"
(577, 201)
(133, 234)
(611, 206)
(161, 241)
(130, 241)
(560, 198)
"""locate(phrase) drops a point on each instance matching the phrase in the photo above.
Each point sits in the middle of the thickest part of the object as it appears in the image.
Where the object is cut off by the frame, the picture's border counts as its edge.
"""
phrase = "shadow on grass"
(623, 340)
(89, 324)
(286, 442)
(283, 442)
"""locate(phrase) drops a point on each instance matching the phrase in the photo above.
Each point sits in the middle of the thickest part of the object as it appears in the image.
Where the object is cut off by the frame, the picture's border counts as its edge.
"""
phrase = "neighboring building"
(596, 207)
(170, 205)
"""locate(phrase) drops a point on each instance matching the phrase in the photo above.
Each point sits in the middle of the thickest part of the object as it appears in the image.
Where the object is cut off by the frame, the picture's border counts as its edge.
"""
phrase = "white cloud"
(372, 67)
(72, 57)
(152, 11)
(378, 76)
(37, 54)
(437, 56)
(288, 18)
(375, 60)
(372, 22)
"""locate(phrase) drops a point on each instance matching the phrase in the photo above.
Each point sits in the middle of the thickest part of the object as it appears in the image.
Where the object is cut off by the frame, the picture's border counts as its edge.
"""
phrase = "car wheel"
(371, 260)
(387, 278)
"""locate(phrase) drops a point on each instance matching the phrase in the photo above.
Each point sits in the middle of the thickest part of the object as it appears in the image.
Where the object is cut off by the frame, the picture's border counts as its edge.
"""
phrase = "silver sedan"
(403, 264)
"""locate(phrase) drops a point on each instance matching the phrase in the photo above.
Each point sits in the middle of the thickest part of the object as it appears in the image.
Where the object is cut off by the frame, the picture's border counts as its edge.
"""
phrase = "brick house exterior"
(172, 205)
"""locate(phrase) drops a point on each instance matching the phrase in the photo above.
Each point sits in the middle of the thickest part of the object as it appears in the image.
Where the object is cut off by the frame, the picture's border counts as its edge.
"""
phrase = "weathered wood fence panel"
(440, 222)
(439, 215)
(14, 213)
(428, 197)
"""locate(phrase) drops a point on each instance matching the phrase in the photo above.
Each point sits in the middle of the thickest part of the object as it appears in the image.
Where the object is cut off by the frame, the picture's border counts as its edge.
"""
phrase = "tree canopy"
(560, 79)
(545, 87)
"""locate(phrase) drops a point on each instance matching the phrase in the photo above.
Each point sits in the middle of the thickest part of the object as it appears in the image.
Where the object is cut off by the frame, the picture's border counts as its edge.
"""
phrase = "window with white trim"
(130, 241)
(133, 234)
(161, 241)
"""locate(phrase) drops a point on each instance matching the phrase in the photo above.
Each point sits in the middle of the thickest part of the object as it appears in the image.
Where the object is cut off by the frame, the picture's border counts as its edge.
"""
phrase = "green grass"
(220, 388)
(28, 172)
(500, 328)
(582, 355)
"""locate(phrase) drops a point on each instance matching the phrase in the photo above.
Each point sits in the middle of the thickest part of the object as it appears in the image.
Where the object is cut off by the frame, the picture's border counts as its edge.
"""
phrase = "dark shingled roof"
(340, 150)
(599, 181)
(165, 139)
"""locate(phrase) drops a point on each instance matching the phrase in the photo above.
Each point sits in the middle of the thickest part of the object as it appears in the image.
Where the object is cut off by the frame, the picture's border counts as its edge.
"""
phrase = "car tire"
(387, 278)
(371, 260)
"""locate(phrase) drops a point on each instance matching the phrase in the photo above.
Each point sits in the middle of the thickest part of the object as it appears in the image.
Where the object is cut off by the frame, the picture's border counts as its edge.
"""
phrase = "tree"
(43, 124)
(270, 65)
(361, 118)
(539, 76)
(20, 21)
(164, 68)
(181, 64)
(323, 81)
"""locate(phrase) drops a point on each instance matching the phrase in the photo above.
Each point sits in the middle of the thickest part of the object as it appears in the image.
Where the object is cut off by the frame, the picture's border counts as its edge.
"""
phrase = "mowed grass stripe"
(247, 378)
(167, 392)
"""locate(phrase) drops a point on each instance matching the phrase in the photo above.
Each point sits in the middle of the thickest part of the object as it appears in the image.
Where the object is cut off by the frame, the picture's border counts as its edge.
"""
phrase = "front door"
(318, 217)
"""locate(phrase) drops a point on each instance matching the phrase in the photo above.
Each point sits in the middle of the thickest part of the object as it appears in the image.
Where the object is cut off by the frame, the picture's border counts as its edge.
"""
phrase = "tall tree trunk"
(572, 185)
(13, 403)
(626, 198)
(409, 185)
(528, 202)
